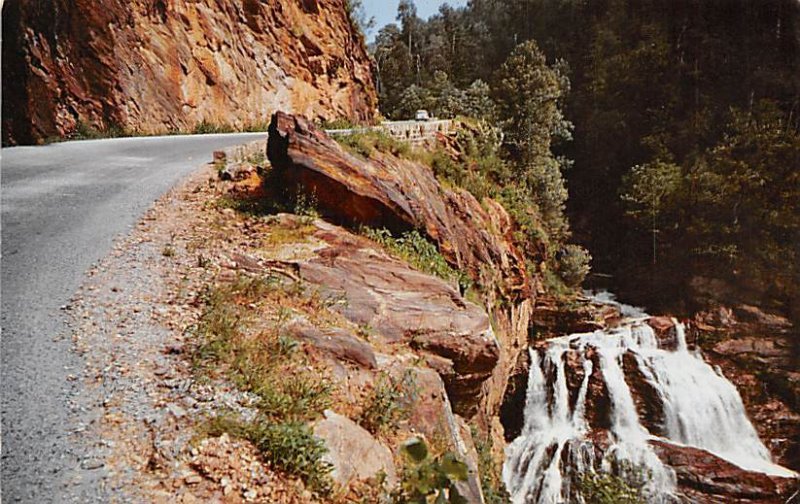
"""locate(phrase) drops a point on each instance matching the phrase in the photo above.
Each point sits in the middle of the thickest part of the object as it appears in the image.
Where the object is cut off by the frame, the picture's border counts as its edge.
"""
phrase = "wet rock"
(598, 401)
(551, 319)
(706, 478)
(648, 402)
(512, 410)
(666, 333)
(352, 451)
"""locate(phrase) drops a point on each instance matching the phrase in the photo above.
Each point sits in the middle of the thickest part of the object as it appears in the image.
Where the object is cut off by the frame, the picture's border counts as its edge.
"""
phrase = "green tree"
(359, 16)
(650, 190)
(529, 95)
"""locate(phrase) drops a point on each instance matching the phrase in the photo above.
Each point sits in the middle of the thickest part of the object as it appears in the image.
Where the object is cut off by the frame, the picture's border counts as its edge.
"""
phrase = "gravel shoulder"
(132, 323)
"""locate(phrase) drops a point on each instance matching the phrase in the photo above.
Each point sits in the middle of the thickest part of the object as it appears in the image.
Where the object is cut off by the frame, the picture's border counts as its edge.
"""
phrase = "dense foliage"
(685, 113)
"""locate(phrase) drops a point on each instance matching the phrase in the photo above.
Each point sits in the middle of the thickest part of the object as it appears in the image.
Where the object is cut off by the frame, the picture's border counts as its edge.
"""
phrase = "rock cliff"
(162, 65)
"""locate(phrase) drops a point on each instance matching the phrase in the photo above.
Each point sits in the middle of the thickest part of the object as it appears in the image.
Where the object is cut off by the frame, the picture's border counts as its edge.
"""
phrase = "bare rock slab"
(353, 452)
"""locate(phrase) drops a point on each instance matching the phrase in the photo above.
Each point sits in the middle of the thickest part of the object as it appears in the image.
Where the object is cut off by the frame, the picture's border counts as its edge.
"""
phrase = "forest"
(661, 135)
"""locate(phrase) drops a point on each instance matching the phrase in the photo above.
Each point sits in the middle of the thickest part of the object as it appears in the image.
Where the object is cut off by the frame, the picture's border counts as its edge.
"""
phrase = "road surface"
(62, 207)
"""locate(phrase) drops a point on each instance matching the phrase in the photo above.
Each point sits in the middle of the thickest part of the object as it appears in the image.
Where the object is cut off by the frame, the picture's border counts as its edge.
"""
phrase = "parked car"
(422, 115)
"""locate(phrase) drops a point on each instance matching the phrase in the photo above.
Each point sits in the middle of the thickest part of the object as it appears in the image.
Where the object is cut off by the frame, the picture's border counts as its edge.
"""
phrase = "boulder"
(706, 478)
(390, 192)
(666, 334)
(353, 452)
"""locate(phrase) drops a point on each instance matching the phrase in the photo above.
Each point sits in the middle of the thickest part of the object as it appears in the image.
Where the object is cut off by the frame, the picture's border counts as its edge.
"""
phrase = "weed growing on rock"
(426, 477)
(605, 488)
(258, 362)
(494, 490)
(206, 128)
(414, 249)
(385, 406)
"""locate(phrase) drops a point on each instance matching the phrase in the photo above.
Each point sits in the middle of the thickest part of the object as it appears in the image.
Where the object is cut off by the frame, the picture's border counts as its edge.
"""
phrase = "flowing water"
(700, 408)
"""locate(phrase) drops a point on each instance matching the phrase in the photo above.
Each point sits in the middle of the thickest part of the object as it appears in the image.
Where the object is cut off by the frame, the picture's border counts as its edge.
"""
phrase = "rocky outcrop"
(707, 479)
(398, 305)
(164, 65)
(387, 191)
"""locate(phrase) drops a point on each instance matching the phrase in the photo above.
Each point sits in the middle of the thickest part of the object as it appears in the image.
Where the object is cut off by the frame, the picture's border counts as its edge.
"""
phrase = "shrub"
(415, 249)
(574, 264)
(290, 446)
(259, 364)
(425, 476)
(384, 406)
(605, 488)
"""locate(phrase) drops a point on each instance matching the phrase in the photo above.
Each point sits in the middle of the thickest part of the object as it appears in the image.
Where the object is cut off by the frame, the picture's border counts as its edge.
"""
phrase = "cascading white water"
(700, 408)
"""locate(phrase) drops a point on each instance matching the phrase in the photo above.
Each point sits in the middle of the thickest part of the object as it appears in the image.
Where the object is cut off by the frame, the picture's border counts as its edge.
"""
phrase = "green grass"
(259, 360)
(365, 143)
(387, 404)
(416, 250)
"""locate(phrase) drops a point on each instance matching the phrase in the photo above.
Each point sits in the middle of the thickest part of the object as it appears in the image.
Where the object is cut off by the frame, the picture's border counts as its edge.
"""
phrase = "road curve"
(62, 207)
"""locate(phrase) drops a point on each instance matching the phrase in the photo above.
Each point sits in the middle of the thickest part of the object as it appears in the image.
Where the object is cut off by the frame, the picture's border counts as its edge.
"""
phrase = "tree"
(529, 94)
(359, 17)
(650, 190)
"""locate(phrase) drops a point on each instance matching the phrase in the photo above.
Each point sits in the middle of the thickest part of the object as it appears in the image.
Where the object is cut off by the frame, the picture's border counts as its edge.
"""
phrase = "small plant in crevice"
(387, 402)
(420, 253)
(305, 205)
(494, 490)
(425, 477)
(258, 360)
(606, 488)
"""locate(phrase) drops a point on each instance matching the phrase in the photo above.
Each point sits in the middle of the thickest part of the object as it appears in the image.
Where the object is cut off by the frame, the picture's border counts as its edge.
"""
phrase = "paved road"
(62, 206)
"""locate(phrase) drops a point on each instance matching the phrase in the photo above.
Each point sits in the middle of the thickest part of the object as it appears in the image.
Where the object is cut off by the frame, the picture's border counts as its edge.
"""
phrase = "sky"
(385, 11)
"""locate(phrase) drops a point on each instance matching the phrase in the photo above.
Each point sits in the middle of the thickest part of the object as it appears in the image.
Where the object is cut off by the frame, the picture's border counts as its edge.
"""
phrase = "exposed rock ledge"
(707, 479)
(387, 191)
(399, 306)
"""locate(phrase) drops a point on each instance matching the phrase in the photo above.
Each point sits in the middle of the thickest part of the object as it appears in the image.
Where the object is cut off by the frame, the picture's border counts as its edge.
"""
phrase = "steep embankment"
(161, 65)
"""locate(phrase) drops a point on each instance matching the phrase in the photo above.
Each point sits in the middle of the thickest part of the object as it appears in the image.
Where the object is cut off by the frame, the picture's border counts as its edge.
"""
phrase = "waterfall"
(700, 408)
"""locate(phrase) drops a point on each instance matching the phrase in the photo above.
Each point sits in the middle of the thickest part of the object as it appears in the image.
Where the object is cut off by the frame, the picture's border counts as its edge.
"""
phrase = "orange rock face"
(161, 65)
